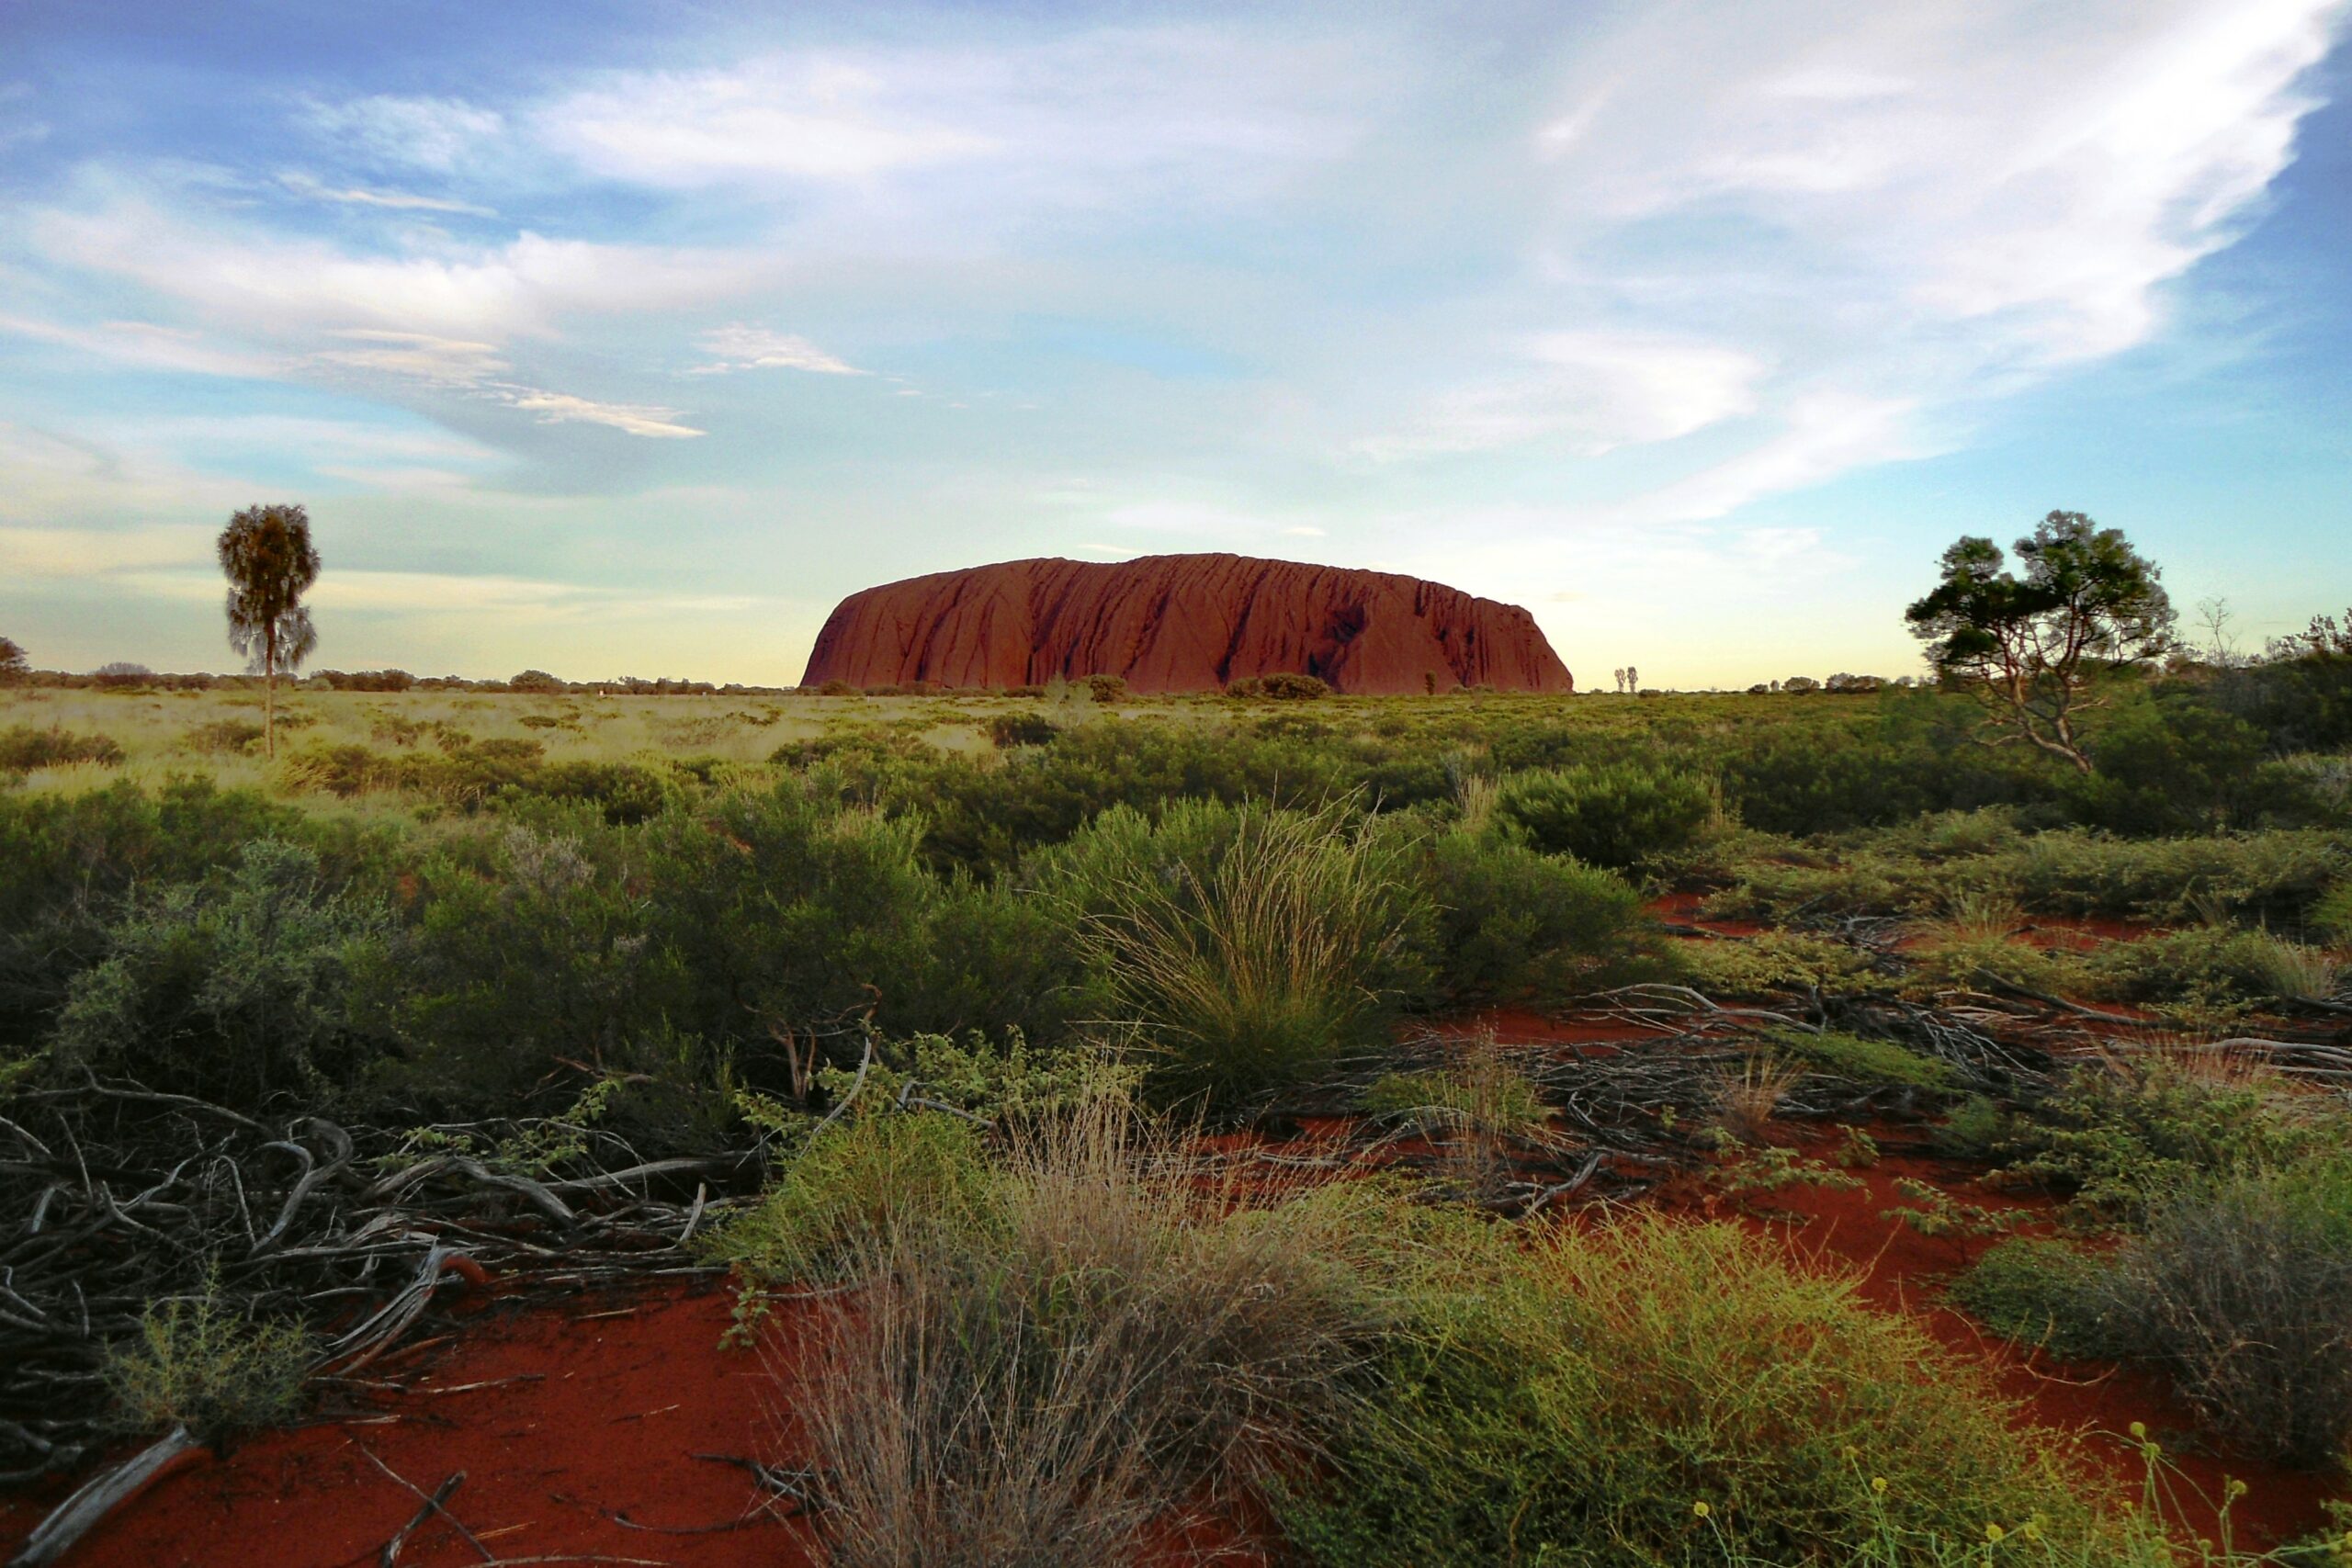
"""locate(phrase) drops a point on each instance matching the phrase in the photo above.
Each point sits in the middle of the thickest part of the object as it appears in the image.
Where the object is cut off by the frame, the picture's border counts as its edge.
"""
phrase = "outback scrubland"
(1468, 1129)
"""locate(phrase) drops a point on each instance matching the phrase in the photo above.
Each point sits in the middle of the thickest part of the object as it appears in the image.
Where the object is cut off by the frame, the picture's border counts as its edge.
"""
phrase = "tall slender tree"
(14, 665)
(266, 554)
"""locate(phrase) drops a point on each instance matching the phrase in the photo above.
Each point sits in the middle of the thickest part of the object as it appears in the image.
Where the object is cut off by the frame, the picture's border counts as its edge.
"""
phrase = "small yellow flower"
(1878, 1484)
(1994, 1532)
(2139, 1429)
(1850, 1452)
(2236, 1489)
(1701, 1508)
(2030, 1530)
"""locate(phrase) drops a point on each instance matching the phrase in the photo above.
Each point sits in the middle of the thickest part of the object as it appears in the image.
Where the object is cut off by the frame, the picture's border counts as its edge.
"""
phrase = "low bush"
(196, 1362)
(2214, 967)
(1029, 729)
(2043, 1294)
(24, 747)
(864, 1179)
(2243, 1287)
(224, 738)
(1616, 814)
(1835, 1053)
(233, 989)
(1659, 1391)
(2125, 1135)
(1511, 925)
(2332, 913)
(1775, 961)
(1281, 686)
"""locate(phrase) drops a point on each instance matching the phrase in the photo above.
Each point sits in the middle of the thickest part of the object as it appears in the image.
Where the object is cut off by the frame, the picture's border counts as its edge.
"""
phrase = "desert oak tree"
(265, 552)
(2030, 648)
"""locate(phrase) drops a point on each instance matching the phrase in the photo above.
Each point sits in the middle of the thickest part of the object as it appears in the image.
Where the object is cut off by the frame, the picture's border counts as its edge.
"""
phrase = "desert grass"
(1117, 1344)
(1480, 1109)
(1259, 969)
(1746, 1101)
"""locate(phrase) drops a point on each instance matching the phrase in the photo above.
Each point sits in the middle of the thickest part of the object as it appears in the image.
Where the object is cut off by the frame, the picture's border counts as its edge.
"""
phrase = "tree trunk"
(269, 692)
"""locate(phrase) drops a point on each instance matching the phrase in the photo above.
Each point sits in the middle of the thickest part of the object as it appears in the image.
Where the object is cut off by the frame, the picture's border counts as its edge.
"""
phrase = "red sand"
(1903, 1270)
(621, 1404)
(622, 1394)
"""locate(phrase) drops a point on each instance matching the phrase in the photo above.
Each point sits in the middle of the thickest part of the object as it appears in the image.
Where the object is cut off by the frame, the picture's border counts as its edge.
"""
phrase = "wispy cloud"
(313, 189)
(556, 407)
(741, 347)
(1201, 109)
(416, 133)
(1591, 390)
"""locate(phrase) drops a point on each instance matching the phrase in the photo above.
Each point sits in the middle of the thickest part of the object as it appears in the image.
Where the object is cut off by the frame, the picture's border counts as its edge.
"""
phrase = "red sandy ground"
(621, 1406)
(628, 1391)
(1904, 1271)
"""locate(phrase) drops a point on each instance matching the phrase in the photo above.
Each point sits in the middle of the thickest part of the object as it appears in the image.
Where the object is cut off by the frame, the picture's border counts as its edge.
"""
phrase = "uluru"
(1182, 623)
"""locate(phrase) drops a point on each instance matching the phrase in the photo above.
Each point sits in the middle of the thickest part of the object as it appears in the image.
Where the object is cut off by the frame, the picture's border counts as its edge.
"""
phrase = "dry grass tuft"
(1747, 1102)
(1112, 1349)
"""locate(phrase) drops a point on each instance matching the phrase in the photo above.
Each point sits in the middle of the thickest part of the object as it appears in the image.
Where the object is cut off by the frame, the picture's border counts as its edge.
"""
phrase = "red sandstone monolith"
(1182, 624)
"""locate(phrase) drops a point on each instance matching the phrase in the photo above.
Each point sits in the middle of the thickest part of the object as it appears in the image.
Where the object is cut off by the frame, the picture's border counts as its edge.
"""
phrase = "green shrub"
(2124, 1135)
(196, 1362)
(1251, 945)
(1029, 729)
(2332, 914)
(224, 738)
(1511, 925)
(1616, 814)
(67, 862)
(1281, 686)
(2043, 1294)
(1849, 1056)
(23, 748)
(1657, 1391)
(1775, 962)
(855, 1183)
(233, 989)
(2216, 967)
(1959, 962)
(2243, 1287)
(1483, 1096)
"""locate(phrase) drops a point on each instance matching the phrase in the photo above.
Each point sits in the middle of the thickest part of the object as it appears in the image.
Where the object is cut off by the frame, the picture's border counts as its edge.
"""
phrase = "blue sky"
(626, 339)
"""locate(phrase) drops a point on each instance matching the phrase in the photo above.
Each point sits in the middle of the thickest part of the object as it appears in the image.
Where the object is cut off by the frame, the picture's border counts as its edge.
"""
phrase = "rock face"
(1182, 624)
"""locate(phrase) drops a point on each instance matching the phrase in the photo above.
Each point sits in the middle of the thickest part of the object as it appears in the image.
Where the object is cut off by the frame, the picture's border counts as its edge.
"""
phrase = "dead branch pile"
(114, 1198)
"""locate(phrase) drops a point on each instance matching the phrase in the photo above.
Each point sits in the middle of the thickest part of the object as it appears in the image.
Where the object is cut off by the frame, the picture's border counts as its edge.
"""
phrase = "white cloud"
(426, 134)
(741, 347)
(1881, 227)
(1821, 435)
(267, 285)
(148, 344)
(453, 362)
(1595, 390)
(314, 189)
(557, 408)
(1209, 111)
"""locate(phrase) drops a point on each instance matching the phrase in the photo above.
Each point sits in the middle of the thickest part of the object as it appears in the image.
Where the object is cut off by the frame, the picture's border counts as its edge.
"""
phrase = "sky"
(615, 339)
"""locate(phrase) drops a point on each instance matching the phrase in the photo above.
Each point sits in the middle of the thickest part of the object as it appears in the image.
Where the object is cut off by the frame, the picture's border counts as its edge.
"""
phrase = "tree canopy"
(2032, 645)
(266, 554)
